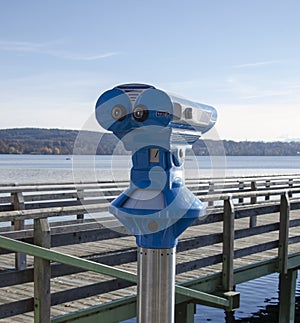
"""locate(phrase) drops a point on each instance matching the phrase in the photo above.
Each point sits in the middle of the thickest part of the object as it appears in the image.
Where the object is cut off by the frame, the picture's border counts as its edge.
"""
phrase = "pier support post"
(288, 277)
(185, 313)
(287, 290)
(228, 245)
(284, 234)
(42, 273)
(19, 204)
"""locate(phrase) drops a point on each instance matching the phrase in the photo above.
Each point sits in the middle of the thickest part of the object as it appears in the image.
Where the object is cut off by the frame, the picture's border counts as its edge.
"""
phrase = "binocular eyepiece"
(140, 113)
(118, 112)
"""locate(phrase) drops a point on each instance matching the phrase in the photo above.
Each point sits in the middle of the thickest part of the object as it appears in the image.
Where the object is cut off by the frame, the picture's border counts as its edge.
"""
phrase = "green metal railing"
(51, 255)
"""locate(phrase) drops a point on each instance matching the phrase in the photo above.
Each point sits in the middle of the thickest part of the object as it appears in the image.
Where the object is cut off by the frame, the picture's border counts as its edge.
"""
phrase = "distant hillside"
(58, 141)
(55, 142)
(250, 148)
(37, 141)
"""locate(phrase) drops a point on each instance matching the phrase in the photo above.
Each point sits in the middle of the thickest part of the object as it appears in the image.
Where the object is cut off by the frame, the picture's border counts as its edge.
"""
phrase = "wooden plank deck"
(199, 252)
(59, 284)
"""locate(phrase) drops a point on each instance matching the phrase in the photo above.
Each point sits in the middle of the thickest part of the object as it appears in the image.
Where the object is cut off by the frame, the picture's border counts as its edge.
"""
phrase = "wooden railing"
(45, 195)
(229, 203)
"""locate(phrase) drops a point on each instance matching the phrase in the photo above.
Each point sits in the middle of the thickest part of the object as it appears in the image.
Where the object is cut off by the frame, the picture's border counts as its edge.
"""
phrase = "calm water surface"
(259, 298)
(27, 168)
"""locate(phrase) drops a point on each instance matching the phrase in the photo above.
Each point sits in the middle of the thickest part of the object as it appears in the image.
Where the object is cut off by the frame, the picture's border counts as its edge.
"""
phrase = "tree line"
(68, 142)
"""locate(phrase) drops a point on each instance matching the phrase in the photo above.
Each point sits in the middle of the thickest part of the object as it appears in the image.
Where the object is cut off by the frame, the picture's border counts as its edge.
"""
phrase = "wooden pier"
(65, 259)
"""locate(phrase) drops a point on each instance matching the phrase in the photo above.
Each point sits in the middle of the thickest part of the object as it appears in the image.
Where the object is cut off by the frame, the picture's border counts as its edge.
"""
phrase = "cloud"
(258, 122)
(256, 64)
(47, 49)
(260, 88)
(63, 99)
(266, 94)
(85, 58)
(19, 46)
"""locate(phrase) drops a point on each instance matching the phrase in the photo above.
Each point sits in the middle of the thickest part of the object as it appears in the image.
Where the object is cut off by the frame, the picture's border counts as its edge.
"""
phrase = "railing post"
(290, 186)
(42, 273)
(19, 204)
(253, 200)
(211, 190)
(241, 188)
(287, 278)
(80, 197)
(268, 185)
(283, 234)
(228, 245)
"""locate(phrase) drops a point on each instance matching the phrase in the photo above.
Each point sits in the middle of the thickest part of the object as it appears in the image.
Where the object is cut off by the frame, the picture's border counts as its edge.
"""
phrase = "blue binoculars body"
(157, 128)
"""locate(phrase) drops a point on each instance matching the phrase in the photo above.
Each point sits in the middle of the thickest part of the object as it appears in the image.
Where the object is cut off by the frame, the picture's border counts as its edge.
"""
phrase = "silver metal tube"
(156, 285)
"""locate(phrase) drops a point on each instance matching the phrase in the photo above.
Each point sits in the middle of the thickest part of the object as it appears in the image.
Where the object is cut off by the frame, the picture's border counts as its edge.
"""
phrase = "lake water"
(259, 298)
(48, 168)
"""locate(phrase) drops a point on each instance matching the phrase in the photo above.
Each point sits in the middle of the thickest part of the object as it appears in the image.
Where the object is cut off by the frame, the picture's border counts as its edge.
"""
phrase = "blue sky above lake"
(242, 57)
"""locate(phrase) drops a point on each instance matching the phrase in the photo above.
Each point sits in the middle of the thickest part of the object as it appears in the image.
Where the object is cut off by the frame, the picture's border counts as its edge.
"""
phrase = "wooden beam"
(241, 188)
(268, 185)
(283, 234)
(211, 191)
(287, 291)
(253, 200)
(291, 183)
(184, 312)
(19, 204)
(42, 273)
(228, 246)
(80, 198)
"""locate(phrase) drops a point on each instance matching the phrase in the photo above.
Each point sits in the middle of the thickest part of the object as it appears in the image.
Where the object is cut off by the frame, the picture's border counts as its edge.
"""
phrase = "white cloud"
(54, 99)
(45, 113)
(257, 64)
(249, 89)
(67, 55)
(260, 122)
(50, 50)
(20, 46)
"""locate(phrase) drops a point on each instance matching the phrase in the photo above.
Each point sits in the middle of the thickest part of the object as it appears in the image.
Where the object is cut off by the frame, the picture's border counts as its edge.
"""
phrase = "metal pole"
(156, 285)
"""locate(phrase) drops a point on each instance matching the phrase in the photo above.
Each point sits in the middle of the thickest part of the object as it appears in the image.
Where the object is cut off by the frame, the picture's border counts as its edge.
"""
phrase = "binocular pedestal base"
(156, 285)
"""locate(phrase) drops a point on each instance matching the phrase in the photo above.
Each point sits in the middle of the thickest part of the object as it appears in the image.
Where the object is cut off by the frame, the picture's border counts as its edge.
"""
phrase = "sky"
(240, 56)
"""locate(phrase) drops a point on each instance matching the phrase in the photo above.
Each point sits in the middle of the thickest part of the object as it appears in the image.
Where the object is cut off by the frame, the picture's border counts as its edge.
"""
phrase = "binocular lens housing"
(118, 112)
(129, 106)
(140, 113)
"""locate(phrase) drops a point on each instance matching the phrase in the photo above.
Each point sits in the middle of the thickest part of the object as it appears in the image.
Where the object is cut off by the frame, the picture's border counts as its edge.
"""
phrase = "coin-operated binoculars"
(157, 207)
